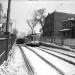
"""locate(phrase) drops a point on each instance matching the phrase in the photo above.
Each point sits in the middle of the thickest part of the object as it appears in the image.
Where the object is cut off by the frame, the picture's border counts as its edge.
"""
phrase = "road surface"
(17, 63)
(50, 61)
(26, 60)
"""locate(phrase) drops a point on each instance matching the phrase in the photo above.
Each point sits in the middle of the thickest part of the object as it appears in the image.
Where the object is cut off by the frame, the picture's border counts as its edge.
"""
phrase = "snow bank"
(15, 64)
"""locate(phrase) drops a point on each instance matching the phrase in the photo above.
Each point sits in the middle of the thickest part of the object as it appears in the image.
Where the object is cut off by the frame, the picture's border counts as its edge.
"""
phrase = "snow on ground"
(59, 54)
(63, 46)
(60, 50)
(67, 68)
(15, 65)
(40, 66)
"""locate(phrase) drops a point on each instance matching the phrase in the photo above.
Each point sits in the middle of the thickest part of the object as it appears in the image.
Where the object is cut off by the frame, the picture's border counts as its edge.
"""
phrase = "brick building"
(68, 30)
(54, 23)
(59, 25)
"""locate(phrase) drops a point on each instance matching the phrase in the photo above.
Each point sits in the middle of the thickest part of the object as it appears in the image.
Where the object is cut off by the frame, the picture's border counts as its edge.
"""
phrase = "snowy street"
(16, 64)
(37, 37)
(26, 60)
(52, 61)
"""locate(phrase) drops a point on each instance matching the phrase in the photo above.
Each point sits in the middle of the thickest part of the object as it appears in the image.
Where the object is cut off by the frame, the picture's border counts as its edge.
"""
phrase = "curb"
(55, 46)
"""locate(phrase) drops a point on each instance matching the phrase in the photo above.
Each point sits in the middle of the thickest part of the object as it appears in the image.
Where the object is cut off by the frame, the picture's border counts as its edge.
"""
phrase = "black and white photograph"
(37, 37)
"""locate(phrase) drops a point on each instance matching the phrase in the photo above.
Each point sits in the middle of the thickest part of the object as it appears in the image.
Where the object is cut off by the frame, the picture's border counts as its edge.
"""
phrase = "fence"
(59, 41)
(3, 46)
(52, 40)
(69, 42)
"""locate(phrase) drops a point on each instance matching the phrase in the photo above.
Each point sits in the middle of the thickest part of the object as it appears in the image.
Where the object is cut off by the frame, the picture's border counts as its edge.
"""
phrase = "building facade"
(1, 15)
(58, 27)
(4, 24)
(3, 19)
(68, 30)
(54, 23)
(1, 12)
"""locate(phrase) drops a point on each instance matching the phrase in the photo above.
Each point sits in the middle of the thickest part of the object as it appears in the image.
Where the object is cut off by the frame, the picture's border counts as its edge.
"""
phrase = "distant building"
(68, 29)
(1, 12)
(4, 24)
(3, 19)
(1, 15)
(54, 23)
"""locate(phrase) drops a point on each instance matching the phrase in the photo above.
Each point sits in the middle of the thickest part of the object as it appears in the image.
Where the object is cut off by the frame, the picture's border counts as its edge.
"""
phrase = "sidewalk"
(15, 64)
(52, 45)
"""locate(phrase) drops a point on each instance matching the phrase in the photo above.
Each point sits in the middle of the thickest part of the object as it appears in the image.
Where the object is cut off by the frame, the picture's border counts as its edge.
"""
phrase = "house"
(3, 19)
(54, 23)
(68, 30)
(4, 24)
(54, 26)
(1, 15)
(1, 12)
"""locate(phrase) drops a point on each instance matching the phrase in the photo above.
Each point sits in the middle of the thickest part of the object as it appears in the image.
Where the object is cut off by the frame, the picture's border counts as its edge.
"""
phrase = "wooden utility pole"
(7, 28)
(8, 16)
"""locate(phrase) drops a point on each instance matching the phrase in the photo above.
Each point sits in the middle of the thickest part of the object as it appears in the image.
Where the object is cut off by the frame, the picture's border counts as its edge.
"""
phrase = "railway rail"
(49, 52)
(29, 67)
(47, 62)
(67, 57)
(66, 54)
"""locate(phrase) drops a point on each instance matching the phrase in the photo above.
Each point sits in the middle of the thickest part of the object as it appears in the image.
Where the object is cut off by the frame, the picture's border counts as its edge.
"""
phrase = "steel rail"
(58, 52)
(49, 63)
(68, 61)
(30, 68)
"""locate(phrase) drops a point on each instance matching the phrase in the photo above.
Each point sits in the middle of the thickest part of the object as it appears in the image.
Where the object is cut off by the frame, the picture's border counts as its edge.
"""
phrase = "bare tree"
(31, 24)
(38, 16)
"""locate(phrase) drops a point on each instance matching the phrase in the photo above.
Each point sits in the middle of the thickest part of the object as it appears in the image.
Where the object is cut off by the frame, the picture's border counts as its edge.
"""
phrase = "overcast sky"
(22, 10)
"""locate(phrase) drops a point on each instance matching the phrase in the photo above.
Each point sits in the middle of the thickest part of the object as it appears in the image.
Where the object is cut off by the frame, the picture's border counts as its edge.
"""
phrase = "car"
(20, 41)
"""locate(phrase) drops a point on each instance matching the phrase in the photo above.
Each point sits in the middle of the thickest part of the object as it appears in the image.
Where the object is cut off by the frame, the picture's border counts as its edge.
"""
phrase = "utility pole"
(8, 16)
(7, 28)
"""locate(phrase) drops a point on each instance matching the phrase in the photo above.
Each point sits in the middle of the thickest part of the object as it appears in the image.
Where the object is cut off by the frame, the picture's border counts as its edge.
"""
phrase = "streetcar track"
(61, 49)
(30, 69)
(49, 63)
(59, 52)
(68, 61)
